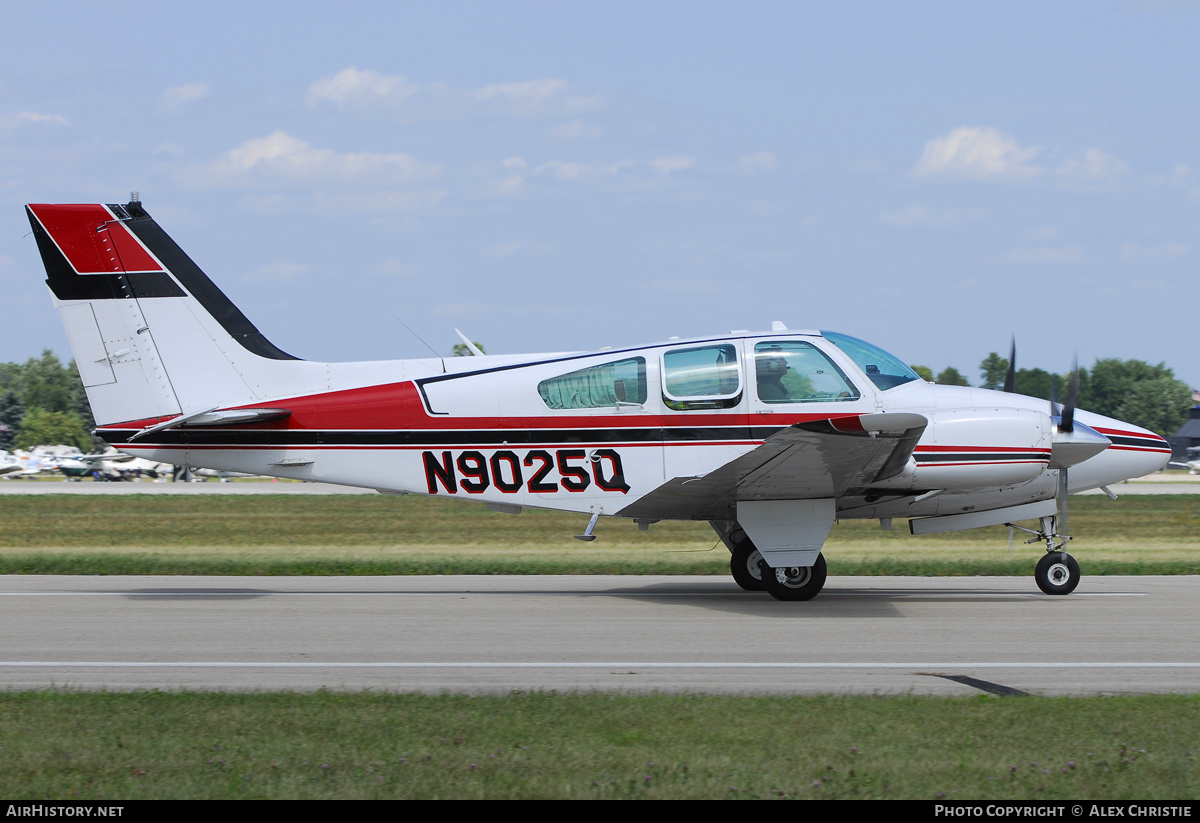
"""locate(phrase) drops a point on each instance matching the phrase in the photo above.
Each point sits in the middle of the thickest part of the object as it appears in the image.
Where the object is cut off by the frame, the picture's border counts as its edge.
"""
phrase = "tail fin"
(152, 336)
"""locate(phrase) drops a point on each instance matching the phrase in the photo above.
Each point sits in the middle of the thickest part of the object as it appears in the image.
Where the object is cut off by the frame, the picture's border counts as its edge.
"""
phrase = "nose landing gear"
(1057, 572)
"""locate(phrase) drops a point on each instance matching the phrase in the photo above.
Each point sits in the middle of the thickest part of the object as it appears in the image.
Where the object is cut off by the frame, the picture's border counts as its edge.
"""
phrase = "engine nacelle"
(977, 448)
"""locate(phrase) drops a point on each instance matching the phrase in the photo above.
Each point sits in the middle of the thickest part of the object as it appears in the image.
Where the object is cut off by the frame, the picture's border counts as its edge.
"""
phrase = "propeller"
(1010, 377)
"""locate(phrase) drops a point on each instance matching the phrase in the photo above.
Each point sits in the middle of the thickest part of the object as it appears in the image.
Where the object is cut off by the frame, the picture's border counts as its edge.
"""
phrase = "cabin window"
(596, 387)
(790, 371)
(705, 377)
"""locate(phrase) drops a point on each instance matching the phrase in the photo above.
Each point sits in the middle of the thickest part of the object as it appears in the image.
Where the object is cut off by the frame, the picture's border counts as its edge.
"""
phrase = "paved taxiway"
(1115, 635)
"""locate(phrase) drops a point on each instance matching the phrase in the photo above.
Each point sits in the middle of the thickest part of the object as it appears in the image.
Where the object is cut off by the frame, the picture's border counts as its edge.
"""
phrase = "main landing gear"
(744, 565)
(795, 582)
(751, 572)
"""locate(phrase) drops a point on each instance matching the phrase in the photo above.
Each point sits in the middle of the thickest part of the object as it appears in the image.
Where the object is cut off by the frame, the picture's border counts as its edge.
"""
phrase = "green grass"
(66, 746)
(366, 534)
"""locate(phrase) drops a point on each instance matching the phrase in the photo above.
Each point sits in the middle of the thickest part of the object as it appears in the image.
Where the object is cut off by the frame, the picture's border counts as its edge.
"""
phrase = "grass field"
(334, 746)
(367, 534)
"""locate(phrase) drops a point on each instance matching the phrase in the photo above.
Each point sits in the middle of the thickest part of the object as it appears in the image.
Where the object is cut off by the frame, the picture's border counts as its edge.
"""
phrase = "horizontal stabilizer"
(216, 417)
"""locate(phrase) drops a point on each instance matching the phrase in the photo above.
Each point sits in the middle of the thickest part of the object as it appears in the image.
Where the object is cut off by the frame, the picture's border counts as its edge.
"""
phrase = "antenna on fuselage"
(414, 334)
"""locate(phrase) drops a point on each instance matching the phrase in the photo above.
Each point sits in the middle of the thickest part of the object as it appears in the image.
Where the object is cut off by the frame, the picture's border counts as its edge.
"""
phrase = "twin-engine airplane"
(771, 437)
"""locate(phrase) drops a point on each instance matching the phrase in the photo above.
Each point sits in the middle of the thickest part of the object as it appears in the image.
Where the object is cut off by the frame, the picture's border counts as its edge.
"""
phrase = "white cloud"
(577, 130)
(667, 165)
(977, 152)
(352, 87)
(1093, 166)
(563, 171)
(760, 161)
(519, 247)
(1045, 255)
(575, 171)
(283, 156)
(528, 91)
(916, 215)
(355, 88)
(36, 117)
(10, 121)
(178, 96)
(1137, 253)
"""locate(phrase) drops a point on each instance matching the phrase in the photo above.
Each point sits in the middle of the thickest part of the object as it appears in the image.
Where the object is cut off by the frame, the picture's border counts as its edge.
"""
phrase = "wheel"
(744, 566)
(795, 582)
(1057, 573)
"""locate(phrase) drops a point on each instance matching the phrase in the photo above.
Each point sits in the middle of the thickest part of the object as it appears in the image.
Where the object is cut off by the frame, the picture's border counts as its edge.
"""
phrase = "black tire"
(1057, 573)
(744, 566)
(795, 582)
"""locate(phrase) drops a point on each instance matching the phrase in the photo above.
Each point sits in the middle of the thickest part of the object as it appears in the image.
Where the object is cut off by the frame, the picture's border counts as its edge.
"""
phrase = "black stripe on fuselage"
(1140, 442)
(979, 457)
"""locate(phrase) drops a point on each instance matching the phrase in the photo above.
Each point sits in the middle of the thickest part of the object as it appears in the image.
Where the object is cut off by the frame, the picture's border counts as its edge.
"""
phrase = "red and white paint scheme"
(770, 436)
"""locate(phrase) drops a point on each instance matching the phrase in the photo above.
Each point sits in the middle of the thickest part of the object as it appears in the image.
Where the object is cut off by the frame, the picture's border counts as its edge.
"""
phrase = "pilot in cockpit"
(770, 366)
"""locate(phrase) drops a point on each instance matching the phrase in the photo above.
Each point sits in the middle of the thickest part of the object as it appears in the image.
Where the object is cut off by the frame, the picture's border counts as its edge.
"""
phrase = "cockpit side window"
(884, 370)
(596, 387)
(791, 371)
(704, 377)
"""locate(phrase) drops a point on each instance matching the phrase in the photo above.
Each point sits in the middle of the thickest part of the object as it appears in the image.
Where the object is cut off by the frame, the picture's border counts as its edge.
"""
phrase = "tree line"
(1130, 390)
(42, 403)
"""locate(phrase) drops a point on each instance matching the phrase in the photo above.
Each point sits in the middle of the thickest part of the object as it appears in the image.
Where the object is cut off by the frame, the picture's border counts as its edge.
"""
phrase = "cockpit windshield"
(884, 370)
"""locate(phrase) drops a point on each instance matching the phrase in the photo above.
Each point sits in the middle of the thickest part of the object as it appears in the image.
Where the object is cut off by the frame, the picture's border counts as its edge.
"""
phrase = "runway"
(476, 634)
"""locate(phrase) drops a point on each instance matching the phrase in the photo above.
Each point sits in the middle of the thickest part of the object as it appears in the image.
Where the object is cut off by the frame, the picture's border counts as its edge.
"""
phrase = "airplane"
(35, 461)
(1192, 464)
(769, 436)
(9, 465)
(111, 465)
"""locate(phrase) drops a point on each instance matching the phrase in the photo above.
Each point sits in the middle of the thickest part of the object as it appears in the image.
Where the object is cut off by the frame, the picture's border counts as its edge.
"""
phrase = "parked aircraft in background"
(769, 436)
(112, 465)
(38, 460)
(8, 464)
(1192, 464)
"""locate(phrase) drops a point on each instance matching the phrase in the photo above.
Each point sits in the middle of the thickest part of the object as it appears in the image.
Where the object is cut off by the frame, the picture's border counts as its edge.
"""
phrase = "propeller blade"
(1010, 378)
(1068, 414)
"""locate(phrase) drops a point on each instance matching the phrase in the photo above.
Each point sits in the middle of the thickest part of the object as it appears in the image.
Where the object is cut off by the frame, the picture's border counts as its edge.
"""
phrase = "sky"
(934, 177)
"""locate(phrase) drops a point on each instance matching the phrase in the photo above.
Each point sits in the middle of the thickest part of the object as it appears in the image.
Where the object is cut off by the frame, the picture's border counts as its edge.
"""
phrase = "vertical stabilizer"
(152, 336)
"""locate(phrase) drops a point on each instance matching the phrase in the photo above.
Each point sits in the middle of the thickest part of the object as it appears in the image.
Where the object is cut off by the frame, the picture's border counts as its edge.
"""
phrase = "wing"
(816, 459)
